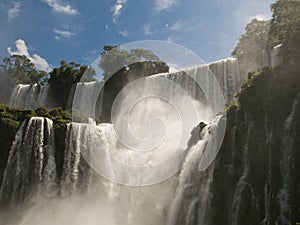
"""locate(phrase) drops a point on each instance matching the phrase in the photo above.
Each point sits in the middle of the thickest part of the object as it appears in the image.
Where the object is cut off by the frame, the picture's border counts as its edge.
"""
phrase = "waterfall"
(121, 163)
(187, 193)
(191, 202)
(287, 148)
(267, 192)
(85, 97)
(242, 182)
(275, 59)
(29, 96)
(226, 72)
(30, 163)
(79, 138)
(228, 75)
(183, 199)
(70, 97)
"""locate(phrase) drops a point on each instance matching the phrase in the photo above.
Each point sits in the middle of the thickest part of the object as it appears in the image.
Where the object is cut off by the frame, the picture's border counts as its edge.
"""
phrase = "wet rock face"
(195, 134)
(255, 174)
(120, 79)
(28, 164)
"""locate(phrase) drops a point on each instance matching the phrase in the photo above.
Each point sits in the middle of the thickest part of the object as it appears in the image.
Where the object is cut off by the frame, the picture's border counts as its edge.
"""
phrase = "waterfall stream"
(286, 165)
(242, 182)
(31, 160)
(29, 96)
(107, 181)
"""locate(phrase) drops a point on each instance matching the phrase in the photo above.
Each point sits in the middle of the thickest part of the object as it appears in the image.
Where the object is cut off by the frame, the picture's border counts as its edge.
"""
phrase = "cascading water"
(79, 137)
(242, 183)
(192, 196)
(229, 77)
(146, 205)
(31, 161)
(275, 59)
(85, 95)
(226, 72)
(29, 96)
(286, 165)
(132, 205)
(183, 199)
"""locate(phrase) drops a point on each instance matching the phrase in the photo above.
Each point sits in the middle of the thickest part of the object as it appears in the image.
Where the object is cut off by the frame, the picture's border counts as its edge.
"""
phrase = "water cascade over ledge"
(29, 96)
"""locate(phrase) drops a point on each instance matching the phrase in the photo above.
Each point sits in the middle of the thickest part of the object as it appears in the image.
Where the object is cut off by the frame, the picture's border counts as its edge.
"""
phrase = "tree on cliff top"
(285, 29)
(114, 58)
(20, 69)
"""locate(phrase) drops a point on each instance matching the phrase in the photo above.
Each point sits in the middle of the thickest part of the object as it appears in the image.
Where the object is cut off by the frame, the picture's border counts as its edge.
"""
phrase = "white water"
(286, 165)
(267, 192)
(182, 199)
(27, 168)
(79, 138)
(120, 204)
(275, 59)
(242, 183)
(29, 96)
(192, 192)
(226, 72)
(229, 77)
(85, 97)
(95, 198)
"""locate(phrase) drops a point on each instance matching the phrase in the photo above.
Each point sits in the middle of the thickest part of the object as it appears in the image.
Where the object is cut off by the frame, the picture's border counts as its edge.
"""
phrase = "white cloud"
(40, 62)
(117, 9)
(177, 25)
(124, 33)
(61, 7)
(22, 49)
(262, 17)
(180, 26)
(148, 29)
(161, 5)
(14, 11)
(63, 34)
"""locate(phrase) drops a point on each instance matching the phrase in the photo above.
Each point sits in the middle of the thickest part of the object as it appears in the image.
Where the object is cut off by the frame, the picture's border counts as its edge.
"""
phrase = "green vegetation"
(114, 58)
(285, 30)
(14, 70)
(256, 129)
(120, 67)
(251, 46)
(11, 119)
(63, 78)
(21, 70)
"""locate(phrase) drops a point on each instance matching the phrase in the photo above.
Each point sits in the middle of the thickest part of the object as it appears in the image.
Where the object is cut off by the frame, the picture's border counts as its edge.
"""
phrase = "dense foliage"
(63, 78)
(11, 118)
(114, 58)
(285, 30)
(258, 137)
(252, 48)
(21, 70)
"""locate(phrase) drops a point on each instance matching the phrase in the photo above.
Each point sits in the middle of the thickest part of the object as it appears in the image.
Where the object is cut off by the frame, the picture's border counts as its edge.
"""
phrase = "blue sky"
(48, 31)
